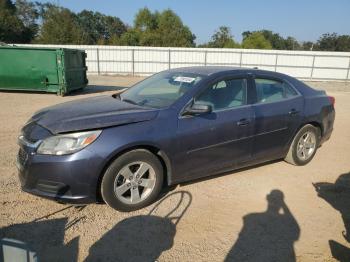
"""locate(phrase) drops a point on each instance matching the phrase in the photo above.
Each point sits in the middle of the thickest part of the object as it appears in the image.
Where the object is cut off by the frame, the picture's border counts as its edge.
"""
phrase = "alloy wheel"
(306, 145)
(134, 182)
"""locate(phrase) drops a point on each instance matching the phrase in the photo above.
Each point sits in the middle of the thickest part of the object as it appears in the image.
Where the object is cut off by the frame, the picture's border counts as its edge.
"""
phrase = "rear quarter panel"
(319, 109)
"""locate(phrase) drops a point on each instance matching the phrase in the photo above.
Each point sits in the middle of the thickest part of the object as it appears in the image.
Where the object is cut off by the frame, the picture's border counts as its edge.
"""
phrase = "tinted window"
(268, 90)
(225, 94)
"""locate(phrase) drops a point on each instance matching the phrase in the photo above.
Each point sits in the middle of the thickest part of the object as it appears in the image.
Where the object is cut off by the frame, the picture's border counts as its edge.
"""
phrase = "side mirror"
(198, 109)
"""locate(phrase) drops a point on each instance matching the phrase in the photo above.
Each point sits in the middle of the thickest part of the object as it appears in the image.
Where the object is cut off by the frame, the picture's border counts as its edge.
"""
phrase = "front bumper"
(69, 178)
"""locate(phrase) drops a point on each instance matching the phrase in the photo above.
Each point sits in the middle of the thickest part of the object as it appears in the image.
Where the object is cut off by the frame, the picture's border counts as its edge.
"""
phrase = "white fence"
(305, 65)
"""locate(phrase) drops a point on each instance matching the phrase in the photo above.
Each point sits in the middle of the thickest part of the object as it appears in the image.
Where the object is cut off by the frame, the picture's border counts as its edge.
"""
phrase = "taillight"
(332, 100)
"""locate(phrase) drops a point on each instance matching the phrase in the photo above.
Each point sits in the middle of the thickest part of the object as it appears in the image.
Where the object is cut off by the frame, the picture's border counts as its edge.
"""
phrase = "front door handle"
(293, 112)
(243, 122)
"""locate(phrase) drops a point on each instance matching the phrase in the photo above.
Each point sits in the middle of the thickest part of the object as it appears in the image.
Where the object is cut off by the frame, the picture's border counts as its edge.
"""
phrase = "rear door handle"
(243, 122)
(293, 112)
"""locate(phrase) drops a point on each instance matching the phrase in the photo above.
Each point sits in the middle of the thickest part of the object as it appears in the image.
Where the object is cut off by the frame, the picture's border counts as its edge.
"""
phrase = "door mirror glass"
(198, 109)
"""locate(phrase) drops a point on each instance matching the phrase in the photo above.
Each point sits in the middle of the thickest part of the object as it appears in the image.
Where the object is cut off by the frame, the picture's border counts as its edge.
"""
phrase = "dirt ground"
(224, 217)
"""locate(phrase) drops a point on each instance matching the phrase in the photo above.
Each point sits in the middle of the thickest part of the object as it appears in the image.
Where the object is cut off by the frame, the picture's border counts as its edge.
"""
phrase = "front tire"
(304, 146)
(132, 181)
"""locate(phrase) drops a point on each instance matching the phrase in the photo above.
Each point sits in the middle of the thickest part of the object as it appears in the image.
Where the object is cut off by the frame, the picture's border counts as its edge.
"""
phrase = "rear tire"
(304, 146)
(132, 181)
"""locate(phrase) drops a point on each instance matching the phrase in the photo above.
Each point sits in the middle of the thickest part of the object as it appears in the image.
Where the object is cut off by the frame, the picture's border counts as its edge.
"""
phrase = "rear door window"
(268, 90)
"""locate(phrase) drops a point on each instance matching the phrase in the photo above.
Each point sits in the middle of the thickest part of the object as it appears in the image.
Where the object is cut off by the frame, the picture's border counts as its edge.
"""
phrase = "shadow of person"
(267, 236)
(143, 237)
(338, 196)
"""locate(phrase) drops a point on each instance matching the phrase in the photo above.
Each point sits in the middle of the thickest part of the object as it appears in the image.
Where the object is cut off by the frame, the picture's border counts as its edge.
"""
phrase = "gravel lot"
(217, 219)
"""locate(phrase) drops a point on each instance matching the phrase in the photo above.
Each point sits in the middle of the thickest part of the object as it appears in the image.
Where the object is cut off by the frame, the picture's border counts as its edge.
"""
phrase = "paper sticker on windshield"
(184, 79)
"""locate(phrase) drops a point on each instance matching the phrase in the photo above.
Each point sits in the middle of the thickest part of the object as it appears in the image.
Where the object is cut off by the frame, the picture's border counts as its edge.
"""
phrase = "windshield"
(160, 90)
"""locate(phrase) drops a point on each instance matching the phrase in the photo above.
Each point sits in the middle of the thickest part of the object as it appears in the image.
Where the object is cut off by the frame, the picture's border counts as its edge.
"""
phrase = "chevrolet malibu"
(174, 126)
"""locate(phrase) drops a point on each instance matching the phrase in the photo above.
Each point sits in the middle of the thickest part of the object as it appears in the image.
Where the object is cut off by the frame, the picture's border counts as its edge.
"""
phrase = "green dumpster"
(56, 70)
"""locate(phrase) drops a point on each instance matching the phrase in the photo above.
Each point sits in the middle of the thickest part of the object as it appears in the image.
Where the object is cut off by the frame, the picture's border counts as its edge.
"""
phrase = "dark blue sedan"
(174, 126)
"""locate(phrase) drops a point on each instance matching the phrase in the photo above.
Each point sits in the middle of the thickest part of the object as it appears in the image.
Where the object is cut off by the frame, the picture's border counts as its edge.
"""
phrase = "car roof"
(206, 70)
(210, 70)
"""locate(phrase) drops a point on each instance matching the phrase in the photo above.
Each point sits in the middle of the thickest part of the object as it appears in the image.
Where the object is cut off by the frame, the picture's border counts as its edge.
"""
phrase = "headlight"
(67, 143)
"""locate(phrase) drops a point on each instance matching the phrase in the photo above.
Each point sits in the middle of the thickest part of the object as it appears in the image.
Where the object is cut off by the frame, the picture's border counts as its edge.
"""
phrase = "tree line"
(45, 23)
(266, 39)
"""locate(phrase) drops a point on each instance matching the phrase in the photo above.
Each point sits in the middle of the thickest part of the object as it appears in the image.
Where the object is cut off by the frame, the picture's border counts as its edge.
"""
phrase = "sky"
(303, 19)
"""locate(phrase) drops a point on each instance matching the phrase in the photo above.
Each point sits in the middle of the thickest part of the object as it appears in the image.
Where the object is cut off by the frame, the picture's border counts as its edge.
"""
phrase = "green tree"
(150, 38)
(328, 42)
(145, 20)
(256, 40)
(291, 43)
(246, 34)
(130, 37)
(11, 27)
(113, 27)
(308, 46)
(90, 24)
(60, 26)
(97, 27)
(334, 42)
(222, 38)
(277, 41)
(343, 43)
(172, 32)
(146, 28)
(27, 12)
(158, 29)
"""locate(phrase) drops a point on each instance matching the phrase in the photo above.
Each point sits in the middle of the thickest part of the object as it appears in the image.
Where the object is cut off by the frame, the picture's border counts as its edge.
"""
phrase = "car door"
(277, 108)
(215, 141)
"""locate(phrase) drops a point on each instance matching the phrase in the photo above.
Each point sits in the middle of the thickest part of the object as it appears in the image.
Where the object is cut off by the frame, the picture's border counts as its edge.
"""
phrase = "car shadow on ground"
(230, 172)
(143, 237)
(136, 238)
(338, 196)
(267, 236)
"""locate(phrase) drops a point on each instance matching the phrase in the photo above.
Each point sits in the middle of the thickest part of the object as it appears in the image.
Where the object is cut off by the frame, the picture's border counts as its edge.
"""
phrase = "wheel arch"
(160, 154)
(290, 153)
(313, 123)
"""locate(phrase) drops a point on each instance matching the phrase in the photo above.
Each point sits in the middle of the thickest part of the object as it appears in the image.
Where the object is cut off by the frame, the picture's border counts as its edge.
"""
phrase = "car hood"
(91, 113)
